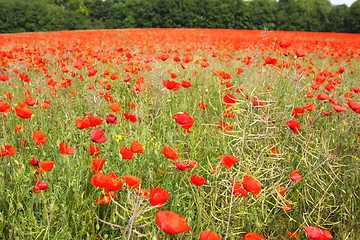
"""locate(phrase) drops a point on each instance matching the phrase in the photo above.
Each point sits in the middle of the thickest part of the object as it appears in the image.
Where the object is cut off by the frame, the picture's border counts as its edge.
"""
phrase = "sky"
(338, 2)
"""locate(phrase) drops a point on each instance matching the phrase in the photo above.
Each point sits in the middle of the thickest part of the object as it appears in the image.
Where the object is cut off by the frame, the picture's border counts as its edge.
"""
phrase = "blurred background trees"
(288, 15)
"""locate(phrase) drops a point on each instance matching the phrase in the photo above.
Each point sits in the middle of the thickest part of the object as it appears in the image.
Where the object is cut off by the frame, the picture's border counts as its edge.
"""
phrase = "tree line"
(287, 15)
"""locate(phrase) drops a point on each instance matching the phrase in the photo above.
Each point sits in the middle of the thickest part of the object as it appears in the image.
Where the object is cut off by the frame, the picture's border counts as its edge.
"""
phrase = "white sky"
(338, 2)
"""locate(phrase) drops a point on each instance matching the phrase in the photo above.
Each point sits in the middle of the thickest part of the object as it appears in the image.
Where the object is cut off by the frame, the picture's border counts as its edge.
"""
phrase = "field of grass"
(239, 89)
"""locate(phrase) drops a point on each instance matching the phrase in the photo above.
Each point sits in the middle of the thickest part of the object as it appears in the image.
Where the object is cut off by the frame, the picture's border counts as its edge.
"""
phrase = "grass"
(326, 151)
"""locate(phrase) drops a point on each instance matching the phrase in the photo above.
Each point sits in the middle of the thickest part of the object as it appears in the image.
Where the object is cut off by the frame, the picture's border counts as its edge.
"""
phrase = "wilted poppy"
(258, 103)
(295, 176)
(228, 160)
(292, 235)
(46, 166)
(39, 138)
(97, 135)
(224, 126)
(209, 235)
(106, 199)
(64, 149)
(170, 152)
(131, 181)
(251, 185)
(202, 105)
(158, 196)
(184, 120)
(111, 119)
(293, 125)
(197, 180)
(171, 222)
(317, 233)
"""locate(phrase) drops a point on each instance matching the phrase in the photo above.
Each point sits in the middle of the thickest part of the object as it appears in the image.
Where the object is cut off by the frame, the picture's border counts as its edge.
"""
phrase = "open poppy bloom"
(172, 85)
(184, 120)
(130, 117)
(339, 108)
(354, 106)
(228, 160)
(251, 185)
(108, 182)
(136, 147)
(171, 222)
(111, 119)
(64, 149)
(94, 151)
(253, 236)
(97, 164)
(97, 135)
(229, 100)
(295, 176)
(39, 138)
(131, 181)
(197, 180)
(46, 166)
(126, 153)
(4, 106)
(40, 185)
(238, 190)
(115, 107)
(209, 235)
(317, 233)
(158, 196)
(293, 125)
(22, 111)
(7, 150)
(186, 84)
(88, 121)
(170, 153)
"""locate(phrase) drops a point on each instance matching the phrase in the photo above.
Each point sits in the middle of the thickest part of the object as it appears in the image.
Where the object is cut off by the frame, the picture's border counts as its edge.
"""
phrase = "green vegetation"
(287, 15)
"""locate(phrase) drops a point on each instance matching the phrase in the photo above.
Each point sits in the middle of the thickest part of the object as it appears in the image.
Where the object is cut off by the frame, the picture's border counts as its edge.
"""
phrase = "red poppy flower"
(224, 126)
(229, 100)
(130, 117)
(115, 107)
(34, 162)
(317, 233)
(270, 60)
(97, 135)
(94, 151)
(197, 180)
(209, 235)
(131, 181)
(88, 121)
(106, 199)
(126, 152)
(202, 105)
(23, 112)
(172, 85)
(111, 119)
(339, 108)
(170, 153)
(136, 147)
(228, 114)
(40, 185)
(30, 101)
(158, 196)
(310, 107)
(281, 190)
(171, 222)
(295, 176)
(4, 77)
(253, 236)
(293, 125)
(46, 166)
(186, 84)
(323, 96)
(238, 190)
(310, 94)
(354, 106)
(64, 149)
(108, 182)
(184, 120)
(293, 235)
(4, 106)
(228, 160)
(251, 185)
(39, 138)
(97, 164)
(7, 150)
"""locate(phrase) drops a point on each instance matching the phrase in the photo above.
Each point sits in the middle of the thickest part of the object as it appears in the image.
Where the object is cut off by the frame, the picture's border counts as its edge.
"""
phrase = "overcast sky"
(338, 2)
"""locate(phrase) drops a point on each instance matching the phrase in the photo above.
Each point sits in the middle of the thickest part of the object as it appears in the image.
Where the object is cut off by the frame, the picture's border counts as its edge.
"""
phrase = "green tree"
(262, 14)
(337, 17)
(352, 19)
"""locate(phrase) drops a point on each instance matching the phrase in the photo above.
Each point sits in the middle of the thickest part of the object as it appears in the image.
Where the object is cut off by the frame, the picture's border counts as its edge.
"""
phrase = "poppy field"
(179, 134)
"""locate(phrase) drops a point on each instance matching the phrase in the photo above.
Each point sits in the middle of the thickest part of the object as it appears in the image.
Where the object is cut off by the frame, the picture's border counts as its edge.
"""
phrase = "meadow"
(179, 134)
